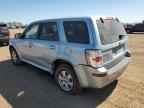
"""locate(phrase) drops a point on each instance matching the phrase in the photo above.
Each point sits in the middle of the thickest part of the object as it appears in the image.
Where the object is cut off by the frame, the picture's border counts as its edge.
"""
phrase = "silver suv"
(79, 51)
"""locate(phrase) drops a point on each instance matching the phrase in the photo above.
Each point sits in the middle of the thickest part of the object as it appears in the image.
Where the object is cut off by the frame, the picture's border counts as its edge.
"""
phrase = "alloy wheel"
(65, 80)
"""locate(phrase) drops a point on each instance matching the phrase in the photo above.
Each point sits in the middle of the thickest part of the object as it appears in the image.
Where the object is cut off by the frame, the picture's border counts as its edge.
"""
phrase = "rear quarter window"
(76, 32)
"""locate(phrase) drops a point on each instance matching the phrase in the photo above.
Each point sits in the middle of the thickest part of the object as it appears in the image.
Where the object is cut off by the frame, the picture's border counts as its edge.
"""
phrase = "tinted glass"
(3, 25)
(110, 31)
(76, 32)
(49, 31)
(3, 28)
(32, 31)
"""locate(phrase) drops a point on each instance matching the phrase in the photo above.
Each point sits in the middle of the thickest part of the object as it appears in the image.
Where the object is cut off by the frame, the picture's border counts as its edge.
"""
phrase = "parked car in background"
(4, 33)
(128, 26)
(12, 27)
(80, 52)
(23, 26)
(15, 25)
(131, 28)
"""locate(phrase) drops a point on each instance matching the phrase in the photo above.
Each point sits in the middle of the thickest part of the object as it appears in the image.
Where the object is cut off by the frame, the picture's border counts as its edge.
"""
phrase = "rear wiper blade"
(101, 20)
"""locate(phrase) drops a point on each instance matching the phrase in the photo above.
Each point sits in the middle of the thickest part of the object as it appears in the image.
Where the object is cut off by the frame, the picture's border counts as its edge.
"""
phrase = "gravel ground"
(30, 87)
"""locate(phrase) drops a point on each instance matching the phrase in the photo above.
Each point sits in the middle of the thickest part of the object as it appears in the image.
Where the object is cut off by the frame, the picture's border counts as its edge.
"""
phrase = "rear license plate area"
(118, 50)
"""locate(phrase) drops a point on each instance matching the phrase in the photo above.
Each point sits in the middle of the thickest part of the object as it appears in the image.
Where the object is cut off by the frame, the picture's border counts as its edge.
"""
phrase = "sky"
(27, 11)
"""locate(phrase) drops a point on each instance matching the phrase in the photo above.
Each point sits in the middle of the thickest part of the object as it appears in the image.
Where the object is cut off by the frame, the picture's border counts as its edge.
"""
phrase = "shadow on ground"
(2, 45)
(29, 87)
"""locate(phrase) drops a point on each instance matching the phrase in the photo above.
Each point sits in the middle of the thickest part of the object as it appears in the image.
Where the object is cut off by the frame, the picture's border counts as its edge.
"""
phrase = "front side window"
(76, 32)
(32, 32)
(49, 31)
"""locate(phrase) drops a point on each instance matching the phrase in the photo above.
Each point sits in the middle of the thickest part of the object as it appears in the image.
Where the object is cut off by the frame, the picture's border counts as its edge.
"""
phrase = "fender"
(12, 43)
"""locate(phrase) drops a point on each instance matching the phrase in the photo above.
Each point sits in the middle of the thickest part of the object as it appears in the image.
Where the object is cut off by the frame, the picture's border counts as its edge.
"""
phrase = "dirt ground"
(29, 87)
(14, 31)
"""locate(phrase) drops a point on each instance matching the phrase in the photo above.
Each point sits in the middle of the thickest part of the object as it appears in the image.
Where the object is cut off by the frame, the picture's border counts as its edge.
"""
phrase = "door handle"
(52, 47)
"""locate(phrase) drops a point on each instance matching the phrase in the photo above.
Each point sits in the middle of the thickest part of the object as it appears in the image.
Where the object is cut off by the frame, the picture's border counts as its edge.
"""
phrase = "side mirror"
(18, 35)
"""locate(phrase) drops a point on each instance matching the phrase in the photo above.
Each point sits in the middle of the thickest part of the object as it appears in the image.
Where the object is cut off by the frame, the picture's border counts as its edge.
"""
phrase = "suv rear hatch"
(114, 41)
(4, 32)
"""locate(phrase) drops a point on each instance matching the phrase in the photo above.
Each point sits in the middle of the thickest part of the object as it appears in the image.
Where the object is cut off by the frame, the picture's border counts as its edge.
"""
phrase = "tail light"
(9, 35)
(94, 58)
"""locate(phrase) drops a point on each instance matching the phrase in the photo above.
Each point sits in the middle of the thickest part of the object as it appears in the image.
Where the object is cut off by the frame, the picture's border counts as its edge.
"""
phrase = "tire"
(15, 58)
(66, 79)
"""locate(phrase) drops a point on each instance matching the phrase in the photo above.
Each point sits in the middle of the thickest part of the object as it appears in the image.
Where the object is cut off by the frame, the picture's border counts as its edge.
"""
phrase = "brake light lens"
(94, 58)
(9, 35)
(97, 59)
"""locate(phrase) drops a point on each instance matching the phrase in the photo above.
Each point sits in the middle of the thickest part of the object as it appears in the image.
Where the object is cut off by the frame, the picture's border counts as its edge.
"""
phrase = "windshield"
(110, 31)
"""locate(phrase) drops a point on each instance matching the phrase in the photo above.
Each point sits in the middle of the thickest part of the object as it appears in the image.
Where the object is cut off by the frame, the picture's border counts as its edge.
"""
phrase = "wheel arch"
(59, 61)
(81, 76)
(12, 46)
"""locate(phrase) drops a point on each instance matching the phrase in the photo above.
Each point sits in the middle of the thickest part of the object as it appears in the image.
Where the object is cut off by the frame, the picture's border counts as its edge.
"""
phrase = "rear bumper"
(4, 39)
(86, 78)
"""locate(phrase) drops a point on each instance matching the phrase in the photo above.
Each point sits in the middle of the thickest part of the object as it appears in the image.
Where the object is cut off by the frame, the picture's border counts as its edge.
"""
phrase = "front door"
(47, 46)
(26, 44)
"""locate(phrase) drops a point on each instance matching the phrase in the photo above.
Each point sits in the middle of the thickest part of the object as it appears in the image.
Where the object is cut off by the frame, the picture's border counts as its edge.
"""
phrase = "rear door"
(47, 46)
(76, 38)
(113, 39)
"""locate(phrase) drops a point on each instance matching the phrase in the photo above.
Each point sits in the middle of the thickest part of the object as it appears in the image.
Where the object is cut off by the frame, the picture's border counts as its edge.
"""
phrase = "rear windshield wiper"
(101, 20)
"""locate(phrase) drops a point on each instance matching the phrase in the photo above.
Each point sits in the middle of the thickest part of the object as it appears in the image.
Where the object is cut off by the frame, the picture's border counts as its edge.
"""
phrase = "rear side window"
(76, 32)
(49, 31)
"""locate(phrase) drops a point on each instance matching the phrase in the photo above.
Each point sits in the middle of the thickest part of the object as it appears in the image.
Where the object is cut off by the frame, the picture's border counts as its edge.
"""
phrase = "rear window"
(3, 25)
(3, 28)
(110, 31)
(76, 32)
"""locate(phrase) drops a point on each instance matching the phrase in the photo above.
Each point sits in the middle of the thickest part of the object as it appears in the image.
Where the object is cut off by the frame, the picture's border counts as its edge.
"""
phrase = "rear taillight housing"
(94, 58)
(9, 35)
